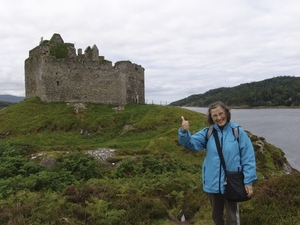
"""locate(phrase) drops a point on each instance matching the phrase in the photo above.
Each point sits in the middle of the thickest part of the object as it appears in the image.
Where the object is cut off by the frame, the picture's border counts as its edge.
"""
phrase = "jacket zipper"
(220, 172)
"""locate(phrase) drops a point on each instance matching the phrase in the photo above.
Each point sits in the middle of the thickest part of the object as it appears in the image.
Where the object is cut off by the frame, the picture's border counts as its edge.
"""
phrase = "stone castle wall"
(81, 77)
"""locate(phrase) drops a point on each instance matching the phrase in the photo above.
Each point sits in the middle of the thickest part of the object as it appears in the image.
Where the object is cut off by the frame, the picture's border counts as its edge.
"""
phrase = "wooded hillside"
(277, 91)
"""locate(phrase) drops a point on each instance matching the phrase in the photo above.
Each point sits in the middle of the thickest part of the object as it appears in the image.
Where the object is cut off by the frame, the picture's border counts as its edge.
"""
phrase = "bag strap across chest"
(219, 149)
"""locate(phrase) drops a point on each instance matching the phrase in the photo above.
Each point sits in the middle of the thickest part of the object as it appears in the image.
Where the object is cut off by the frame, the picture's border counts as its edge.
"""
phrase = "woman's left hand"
(249, 190)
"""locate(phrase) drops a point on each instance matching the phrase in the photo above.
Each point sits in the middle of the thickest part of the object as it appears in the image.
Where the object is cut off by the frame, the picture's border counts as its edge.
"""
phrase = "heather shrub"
(80, 165)
(151, 179)
(277, 201)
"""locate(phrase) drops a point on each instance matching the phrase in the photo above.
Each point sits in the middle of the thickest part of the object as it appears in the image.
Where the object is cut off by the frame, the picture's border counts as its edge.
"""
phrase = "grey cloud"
(186, 47)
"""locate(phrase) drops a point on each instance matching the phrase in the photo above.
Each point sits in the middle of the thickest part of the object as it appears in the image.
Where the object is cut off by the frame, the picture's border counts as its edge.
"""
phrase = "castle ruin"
(54, 72)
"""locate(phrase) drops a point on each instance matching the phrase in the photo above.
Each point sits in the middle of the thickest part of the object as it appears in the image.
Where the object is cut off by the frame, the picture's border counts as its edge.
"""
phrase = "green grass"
(56, 125)
(156, 176)
(136, 128)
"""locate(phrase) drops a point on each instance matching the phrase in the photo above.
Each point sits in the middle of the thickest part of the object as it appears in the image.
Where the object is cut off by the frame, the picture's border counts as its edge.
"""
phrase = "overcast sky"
(186, 46)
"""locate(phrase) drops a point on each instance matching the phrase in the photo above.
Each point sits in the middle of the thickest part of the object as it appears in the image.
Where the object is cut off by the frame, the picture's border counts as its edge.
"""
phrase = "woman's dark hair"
(214, 105)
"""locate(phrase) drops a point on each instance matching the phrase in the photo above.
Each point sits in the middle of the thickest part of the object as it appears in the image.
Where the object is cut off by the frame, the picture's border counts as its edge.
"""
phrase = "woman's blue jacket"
(238, 155)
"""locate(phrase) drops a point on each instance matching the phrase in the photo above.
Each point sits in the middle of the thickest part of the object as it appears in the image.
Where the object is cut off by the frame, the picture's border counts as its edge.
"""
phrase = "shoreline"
(249, 123)
(294, 170)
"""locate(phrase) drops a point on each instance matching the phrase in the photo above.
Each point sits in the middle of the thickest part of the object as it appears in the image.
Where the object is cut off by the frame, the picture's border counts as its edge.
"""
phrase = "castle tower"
(56, 39)
(54, 72)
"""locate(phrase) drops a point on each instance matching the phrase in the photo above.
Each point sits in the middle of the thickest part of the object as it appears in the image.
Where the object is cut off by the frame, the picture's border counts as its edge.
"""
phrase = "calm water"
(280, 127)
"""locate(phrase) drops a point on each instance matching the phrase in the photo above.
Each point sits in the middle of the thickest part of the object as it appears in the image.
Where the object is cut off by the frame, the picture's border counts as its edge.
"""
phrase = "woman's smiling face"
(218, 116)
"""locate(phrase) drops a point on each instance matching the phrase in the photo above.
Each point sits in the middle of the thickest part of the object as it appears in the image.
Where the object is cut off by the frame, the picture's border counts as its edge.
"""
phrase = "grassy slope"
(134, 129)
(44, 124)
(137, 129)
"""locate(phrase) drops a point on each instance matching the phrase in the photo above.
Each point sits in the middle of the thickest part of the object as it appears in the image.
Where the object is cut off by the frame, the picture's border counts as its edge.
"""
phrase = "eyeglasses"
(220, 114)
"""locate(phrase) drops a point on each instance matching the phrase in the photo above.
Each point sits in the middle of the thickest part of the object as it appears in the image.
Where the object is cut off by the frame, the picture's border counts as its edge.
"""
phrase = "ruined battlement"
(54, 72)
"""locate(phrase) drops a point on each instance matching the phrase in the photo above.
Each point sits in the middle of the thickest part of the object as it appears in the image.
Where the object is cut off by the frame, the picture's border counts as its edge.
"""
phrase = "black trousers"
(217, 202)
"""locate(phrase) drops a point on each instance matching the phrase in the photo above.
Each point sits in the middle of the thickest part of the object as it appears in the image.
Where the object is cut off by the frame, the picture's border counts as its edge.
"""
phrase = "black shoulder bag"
(234, 181)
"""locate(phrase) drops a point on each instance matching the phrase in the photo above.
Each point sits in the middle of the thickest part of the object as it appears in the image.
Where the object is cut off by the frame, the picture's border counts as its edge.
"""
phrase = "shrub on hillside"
(80, 165)
(277, 202)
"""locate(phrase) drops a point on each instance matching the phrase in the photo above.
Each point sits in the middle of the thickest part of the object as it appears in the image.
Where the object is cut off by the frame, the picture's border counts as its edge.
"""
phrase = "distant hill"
(273, 92)
(5, 104)
(11, 98)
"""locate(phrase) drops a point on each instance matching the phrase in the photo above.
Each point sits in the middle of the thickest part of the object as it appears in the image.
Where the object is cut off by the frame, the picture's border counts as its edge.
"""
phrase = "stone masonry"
(54, 72)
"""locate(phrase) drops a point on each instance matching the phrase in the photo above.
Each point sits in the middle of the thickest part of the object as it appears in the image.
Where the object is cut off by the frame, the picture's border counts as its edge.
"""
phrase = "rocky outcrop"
(3, 136)
(101, 154)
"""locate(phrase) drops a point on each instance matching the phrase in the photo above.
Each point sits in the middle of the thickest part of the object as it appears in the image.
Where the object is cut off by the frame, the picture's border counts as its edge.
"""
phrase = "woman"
(238, 155)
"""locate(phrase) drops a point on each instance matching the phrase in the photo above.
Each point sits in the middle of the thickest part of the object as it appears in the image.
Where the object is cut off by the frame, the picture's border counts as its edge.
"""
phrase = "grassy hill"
(149, 180)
